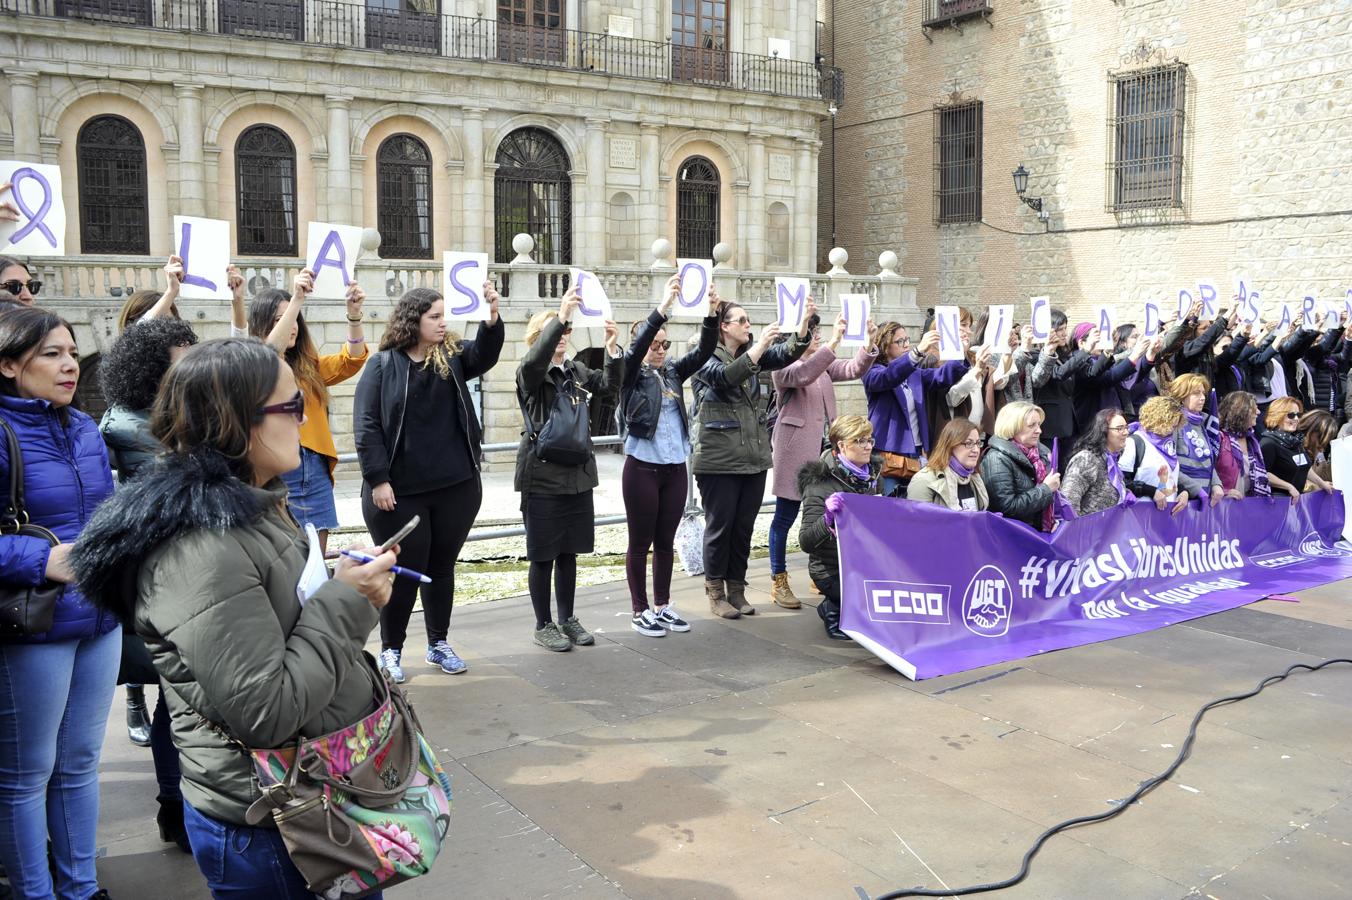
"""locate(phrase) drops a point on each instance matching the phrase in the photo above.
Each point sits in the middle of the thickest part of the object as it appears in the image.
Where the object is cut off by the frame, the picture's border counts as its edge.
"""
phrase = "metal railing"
(382, 26)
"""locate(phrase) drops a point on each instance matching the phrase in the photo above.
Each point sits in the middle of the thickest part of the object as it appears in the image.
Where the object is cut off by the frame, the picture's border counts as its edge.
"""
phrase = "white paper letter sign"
(696, 277)
(462, 283)
(1330, 317)
(1248, 300)
(1285, 321)
(1185, 300)
(999, 324)
(1347, 304)
(36, 193)
(331, 253)
(594, 309)
(1206, 292)
(204, 247)
(1309, 318)
(1106, 320)
(1041, 319)
(1152, 319)
(791, 301)
(950, 332)
(855, 308)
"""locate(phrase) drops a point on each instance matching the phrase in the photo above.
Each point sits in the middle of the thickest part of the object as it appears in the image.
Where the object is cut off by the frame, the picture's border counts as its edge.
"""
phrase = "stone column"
(741, 241)
(589, 240)
(339, 188)
(192, 188)
(804, 251)
(476, 217)
(753, 235)
(651, 222)
(23, 113)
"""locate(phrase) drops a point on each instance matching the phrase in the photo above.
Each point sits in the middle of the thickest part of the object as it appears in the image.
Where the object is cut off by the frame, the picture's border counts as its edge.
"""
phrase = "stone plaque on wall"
(620, 26)
(781, 167)
(623, 153)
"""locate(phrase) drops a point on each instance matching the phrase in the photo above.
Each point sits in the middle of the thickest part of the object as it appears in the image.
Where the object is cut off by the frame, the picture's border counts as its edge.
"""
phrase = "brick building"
(1169, 142)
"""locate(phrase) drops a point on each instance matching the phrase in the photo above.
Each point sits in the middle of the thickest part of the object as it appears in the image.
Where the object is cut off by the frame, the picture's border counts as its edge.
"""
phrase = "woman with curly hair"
(275, 316)
(1149, 461)
(419, 446)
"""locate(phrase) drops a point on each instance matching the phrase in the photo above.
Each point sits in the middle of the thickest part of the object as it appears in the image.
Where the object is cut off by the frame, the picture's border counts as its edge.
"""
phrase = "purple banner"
(932, 591)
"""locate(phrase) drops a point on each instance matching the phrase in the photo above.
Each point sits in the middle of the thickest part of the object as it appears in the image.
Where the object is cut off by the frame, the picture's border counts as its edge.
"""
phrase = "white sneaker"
(646, 623)
(667, 618)
(389, 664)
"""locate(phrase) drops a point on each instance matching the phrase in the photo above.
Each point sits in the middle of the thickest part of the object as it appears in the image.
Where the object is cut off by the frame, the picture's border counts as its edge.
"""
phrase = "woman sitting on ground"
(1094, 479)
(1017, 468)
(849, 467)
(950, 478)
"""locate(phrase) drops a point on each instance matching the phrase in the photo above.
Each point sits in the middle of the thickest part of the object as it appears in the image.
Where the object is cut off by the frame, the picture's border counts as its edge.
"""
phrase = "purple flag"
(997, 590)
(1061, 507)
(1056, 455)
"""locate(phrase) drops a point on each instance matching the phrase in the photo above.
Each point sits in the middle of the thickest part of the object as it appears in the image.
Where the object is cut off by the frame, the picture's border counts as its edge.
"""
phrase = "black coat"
(1196, 356)
(818, 480)
(641, 390)
(1057, 396)
(378, 408)
(1011, 482)
(1255, 362)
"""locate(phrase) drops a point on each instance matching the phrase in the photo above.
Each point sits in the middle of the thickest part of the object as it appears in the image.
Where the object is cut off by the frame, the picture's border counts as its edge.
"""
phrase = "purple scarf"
(1040, 470)
(958, 468)
(1165, 445)
(862, 473)
(1231, 462)
(1124, 496)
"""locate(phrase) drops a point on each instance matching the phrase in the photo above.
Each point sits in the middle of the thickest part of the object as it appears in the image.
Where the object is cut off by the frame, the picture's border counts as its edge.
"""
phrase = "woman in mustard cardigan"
(275, 316)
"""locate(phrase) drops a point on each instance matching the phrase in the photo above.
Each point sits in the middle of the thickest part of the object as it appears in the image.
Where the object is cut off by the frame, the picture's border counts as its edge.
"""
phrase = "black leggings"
(432, 548)
(731, 504)
(564, 567)
(654, 498)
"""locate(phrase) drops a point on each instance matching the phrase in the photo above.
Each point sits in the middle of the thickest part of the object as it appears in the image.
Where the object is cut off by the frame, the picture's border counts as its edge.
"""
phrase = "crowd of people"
(186, 575)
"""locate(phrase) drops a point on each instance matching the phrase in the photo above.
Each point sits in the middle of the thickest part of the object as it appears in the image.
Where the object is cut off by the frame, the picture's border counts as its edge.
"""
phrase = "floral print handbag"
(362, 808)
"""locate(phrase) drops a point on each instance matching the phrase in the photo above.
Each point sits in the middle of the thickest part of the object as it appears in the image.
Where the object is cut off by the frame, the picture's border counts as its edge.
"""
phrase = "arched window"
(404, 198)
(623, 229)
(532, 193)
(265, 192)
(114, 205)
(696, 209)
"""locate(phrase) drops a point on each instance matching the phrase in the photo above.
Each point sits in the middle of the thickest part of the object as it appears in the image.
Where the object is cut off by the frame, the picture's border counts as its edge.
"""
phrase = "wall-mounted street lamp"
(1021, 188)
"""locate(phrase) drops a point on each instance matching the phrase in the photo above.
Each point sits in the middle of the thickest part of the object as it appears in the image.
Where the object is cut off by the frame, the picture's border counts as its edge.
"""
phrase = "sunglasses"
(293, 407)
(661, 345)
(16, 286)
(1293, 415)
(741, 320)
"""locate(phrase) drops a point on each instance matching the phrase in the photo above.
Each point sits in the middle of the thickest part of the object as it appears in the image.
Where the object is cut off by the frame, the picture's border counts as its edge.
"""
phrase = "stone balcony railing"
(90, 290)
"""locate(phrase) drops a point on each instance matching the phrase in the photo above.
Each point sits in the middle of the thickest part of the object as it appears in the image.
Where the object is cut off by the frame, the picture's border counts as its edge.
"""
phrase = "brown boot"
(737, 597)
(783, 594)
(718, 601)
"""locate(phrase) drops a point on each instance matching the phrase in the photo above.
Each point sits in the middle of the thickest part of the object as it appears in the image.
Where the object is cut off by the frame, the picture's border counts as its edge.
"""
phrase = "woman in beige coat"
(951, 478)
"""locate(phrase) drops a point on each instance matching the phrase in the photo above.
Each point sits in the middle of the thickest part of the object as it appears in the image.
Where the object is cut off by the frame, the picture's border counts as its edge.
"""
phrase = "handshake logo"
(987, 603)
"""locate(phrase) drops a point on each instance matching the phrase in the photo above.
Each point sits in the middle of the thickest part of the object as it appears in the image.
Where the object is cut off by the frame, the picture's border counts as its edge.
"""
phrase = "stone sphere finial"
(661, 250)
(370, 240)
(887, 261)
(838, 257)
(722, 253)
(523, 244)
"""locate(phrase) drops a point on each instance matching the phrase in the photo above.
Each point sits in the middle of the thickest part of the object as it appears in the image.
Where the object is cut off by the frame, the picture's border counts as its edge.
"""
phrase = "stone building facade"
(1169, 142)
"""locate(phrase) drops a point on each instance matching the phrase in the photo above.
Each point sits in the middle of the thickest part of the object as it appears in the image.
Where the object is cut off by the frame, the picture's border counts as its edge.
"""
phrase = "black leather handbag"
(24, 608)
(565, 437)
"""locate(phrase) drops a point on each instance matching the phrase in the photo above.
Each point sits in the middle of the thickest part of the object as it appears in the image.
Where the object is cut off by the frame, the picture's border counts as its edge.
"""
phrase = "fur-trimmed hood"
(178, 494)
(827, 465)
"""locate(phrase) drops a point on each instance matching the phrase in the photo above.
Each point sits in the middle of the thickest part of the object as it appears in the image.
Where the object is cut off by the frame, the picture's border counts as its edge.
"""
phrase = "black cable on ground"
(1145, 788)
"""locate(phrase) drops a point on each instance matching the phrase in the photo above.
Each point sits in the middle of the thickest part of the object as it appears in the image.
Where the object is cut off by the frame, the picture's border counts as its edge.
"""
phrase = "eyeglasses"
(740, 320)
(1293, 415)
(902, 341)
(293, 407)
(661, 345)
(863, 442)
(16, 286)
(1120, 429)
(970, 445)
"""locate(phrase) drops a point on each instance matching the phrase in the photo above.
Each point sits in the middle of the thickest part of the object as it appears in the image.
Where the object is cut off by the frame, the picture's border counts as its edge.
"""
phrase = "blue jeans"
(241, 862)
(786, 513)
(54, 702)
(309, 492)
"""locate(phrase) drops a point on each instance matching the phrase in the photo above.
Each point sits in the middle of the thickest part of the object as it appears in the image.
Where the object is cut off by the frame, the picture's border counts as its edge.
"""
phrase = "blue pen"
(398, 570)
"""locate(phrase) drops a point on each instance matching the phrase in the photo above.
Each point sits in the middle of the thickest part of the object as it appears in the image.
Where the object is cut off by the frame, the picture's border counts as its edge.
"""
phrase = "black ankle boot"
(829, 611)
(170, 820)
(138, 720)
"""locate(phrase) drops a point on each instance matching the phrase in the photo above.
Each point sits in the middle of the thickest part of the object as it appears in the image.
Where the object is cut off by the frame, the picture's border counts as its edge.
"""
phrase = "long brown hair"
(1320, 428)
(138, 304)
(405, 330)
(302, 357)
(210, 399)
(952, 435)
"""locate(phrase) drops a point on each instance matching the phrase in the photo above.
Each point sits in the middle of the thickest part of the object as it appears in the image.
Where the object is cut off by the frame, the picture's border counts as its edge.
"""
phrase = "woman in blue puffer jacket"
(55, 687)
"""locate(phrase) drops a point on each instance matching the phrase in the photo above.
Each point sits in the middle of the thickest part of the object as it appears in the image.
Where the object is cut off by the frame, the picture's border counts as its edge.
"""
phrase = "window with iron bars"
(697, 195)
(404, 198)
(957, 163)
(265, 192)
(110, 161)
(1145, 138)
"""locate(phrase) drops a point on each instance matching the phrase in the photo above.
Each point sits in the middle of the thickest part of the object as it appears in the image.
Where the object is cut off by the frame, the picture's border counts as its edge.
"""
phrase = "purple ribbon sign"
(35, 191)
(997, 590)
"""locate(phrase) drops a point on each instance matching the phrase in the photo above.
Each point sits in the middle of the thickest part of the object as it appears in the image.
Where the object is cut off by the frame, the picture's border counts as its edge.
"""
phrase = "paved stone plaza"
(756, 759)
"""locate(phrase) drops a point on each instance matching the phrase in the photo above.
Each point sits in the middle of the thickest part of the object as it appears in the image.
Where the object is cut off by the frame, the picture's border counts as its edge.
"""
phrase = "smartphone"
(398, 536)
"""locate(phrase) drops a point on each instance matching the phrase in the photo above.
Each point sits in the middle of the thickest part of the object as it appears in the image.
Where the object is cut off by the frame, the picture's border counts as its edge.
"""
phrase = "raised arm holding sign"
(593, 308)
(855, 309)
(1152, 319)
(203, 251)
(1106, 319)
(696, 277)
(999, 323)
(463, 279)
(1041, 319)
(331, 255)
(34, 220)
(947, 320)
(791, 295)
(1309, 318)
(1206, 292)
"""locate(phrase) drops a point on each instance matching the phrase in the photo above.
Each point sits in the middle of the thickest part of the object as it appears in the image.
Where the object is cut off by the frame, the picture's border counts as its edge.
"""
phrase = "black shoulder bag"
(24, 609)
(565, 437)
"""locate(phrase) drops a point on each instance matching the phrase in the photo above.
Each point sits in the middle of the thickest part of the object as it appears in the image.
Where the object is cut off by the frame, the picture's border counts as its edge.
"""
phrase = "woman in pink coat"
(807, 406)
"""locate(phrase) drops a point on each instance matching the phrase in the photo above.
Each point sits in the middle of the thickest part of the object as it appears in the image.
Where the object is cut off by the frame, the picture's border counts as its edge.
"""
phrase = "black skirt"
(557, 524)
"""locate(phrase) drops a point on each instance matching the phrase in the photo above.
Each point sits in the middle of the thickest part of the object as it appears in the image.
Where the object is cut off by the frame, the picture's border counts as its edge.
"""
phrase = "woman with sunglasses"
(952, 477)
(17, 282)
(807, 406)
(656, 447)
(732, 448)
(56, 687)
(1289, 464)
(275, 317)
(849, 467)
(556, 497)
(419, 444)
(1094, 480)
(214, 563)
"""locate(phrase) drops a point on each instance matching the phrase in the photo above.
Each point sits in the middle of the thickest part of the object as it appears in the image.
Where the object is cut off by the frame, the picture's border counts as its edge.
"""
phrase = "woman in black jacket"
(1017, 470)
(418, 442)
(556, 487)
(656, 447)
